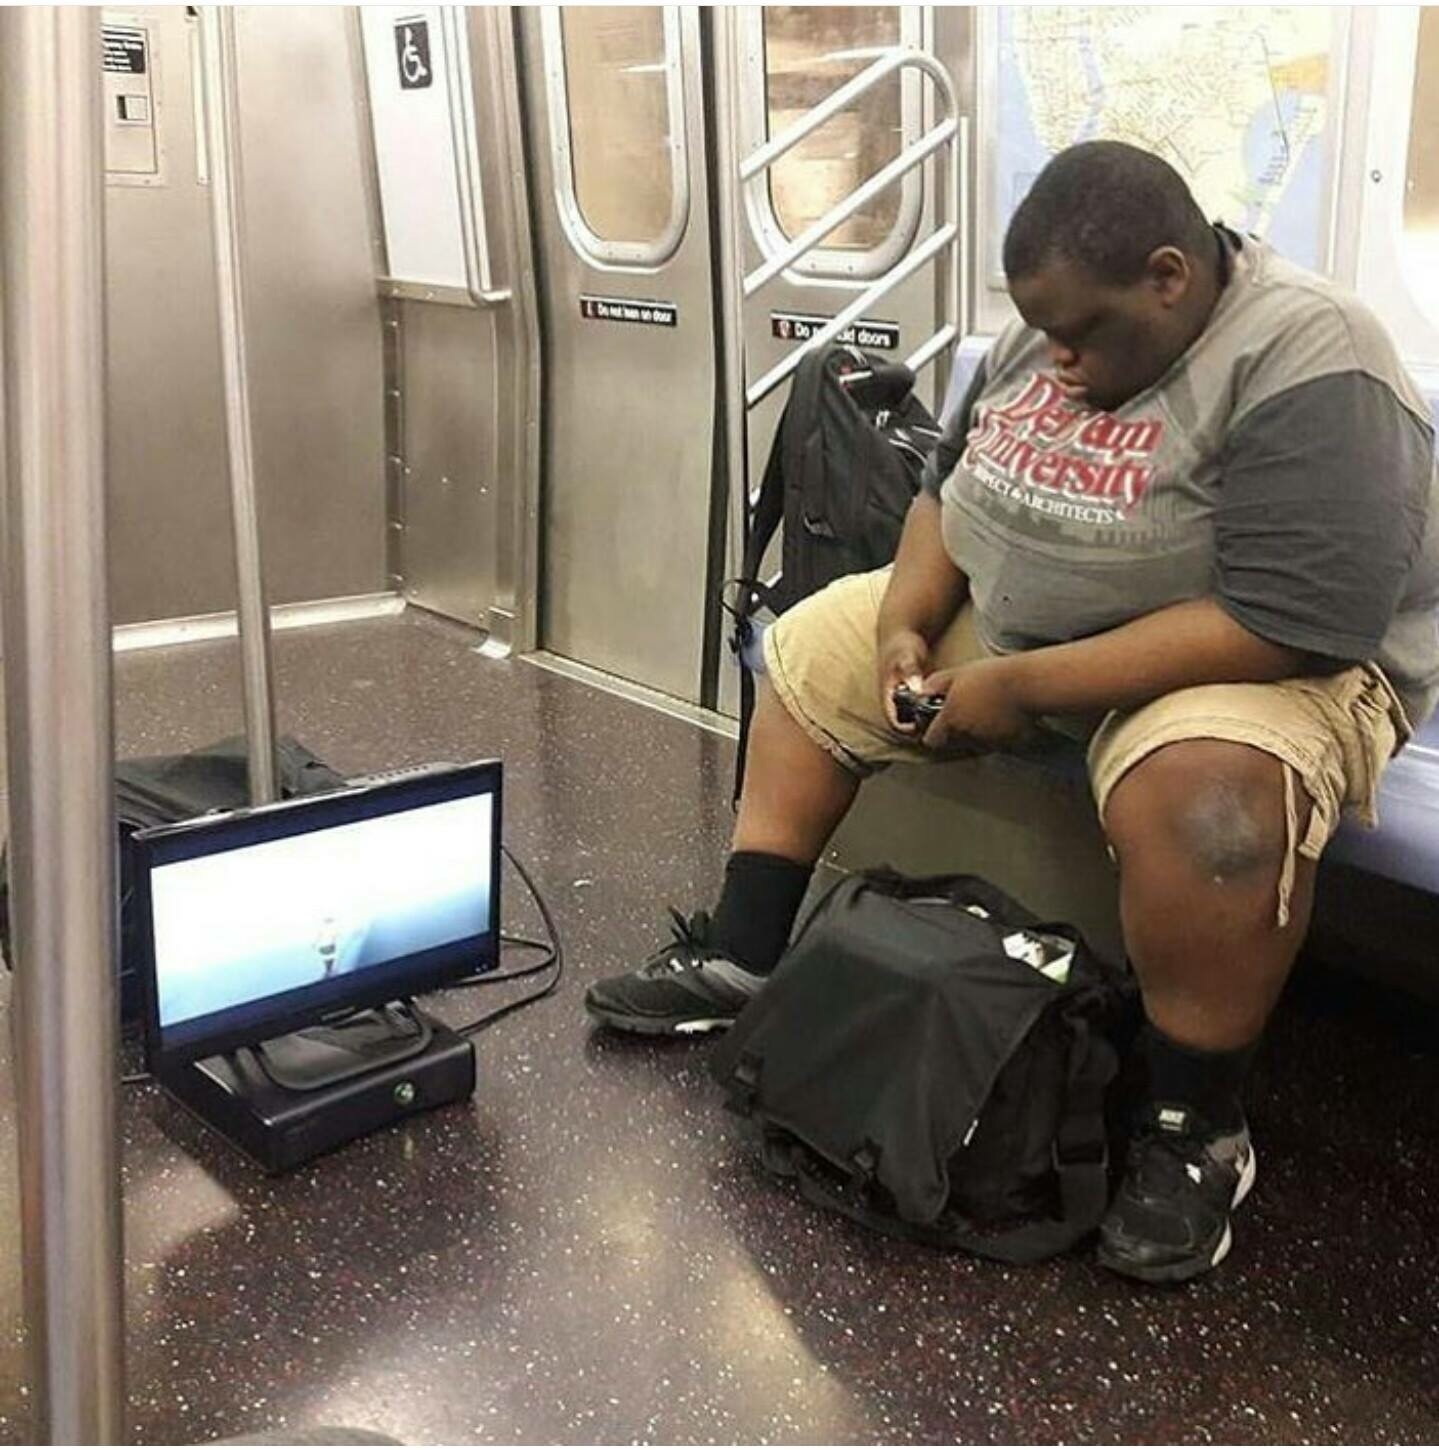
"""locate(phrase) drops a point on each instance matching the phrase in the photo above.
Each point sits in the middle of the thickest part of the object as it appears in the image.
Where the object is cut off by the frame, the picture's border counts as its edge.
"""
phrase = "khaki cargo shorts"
(1333, 734)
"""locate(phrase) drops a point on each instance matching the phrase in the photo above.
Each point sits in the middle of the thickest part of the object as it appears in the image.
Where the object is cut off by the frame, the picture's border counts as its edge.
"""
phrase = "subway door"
(792, 57)
(617, 144)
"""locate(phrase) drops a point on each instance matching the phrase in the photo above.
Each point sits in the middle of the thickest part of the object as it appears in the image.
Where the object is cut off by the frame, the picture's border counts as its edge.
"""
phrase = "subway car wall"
(524, 292)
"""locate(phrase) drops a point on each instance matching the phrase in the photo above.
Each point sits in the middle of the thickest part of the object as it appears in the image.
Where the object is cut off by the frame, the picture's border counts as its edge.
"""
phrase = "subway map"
(1237, 98)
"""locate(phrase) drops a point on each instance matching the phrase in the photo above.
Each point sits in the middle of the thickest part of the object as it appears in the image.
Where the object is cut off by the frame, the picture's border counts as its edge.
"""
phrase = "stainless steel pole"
(60, 759)
(222, 128)
(730, 261)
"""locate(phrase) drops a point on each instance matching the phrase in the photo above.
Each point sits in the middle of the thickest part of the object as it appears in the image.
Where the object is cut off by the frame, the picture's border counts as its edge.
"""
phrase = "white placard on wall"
(411, 106)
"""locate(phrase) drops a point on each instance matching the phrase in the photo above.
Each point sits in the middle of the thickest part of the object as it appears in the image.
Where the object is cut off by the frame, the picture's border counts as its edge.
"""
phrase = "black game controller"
(912, 709)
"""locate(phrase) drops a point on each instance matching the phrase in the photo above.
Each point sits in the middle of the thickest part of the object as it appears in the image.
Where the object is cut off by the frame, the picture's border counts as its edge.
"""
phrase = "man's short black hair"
(1106, 206)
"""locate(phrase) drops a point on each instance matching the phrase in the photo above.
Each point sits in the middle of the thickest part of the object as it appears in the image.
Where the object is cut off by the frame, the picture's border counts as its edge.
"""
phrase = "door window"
(808, 52)
(616, 100)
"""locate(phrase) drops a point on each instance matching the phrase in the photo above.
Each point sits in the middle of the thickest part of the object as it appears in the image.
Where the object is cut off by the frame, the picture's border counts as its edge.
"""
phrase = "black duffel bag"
(162, 789)
(931, 1060)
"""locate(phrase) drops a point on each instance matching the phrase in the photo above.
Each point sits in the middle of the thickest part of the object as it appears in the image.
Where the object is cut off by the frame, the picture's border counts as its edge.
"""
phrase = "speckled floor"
(587, 1253)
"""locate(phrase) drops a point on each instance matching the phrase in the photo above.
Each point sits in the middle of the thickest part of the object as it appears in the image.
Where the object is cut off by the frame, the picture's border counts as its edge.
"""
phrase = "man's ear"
(1169, 273)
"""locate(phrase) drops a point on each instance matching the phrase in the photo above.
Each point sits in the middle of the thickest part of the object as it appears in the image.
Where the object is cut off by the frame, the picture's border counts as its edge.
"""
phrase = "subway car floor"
(588, 1251)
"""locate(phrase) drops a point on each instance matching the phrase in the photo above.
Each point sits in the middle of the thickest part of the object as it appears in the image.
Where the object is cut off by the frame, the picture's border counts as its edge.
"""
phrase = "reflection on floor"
(588, 1252)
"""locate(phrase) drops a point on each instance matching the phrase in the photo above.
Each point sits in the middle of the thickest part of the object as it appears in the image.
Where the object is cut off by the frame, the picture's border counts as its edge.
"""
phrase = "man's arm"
(994, 702)
(1195, 643)
(924, 594)
(925, 588)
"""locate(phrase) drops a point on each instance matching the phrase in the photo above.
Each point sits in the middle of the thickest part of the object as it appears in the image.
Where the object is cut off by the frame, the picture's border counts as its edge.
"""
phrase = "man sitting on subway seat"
(1184, 510)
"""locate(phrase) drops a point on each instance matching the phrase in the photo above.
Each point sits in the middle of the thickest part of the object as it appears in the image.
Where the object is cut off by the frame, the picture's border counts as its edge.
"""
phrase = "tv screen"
(259, 922)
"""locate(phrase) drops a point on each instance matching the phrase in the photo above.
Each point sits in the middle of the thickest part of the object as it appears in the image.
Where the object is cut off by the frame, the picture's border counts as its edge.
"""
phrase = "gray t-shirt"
(1284, 465)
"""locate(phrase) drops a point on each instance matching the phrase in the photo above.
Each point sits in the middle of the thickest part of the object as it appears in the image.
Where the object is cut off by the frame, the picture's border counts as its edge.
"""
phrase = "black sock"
(757, 907)
(1208, 1082)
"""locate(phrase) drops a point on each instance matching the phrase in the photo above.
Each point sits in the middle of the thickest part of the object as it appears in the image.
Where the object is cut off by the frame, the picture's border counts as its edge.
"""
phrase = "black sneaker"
(689, 985)
(1170, 1219)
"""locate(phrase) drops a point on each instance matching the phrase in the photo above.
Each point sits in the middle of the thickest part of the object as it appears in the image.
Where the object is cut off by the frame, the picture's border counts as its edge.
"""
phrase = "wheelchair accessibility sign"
(412, 51)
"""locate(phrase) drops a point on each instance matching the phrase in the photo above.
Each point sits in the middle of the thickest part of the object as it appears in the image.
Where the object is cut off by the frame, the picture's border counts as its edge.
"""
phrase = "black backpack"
(841, 475)
(159, 790)
(910, 1065)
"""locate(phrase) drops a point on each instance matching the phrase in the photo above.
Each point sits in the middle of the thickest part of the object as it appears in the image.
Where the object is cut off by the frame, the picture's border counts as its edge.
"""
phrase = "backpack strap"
(1081, 1162)
(768, 511)
(760, 528)
(1081, 1142)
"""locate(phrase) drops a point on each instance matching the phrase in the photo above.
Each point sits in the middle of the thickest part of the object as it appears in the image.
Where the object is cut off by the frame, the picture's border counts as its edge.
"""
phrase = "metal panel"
(314, 314)
(421, 107)
(449, 491)
(462, 390)
(628, 431)
(314, 333)
(1387, 275)
(513, 622)
(133, 155)
(169, 543)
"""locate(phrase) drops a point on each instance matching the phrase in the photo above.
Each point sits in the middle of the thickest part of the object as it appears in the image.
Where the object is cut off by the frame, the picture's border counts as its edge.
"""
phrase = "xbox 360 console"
(288, 1100)
(282, 946)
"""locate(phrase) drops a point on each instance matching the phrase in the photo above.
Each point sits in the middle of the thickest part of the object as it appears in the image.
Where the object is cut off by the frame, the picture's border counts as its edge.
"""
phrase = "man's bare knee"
(1220, 806)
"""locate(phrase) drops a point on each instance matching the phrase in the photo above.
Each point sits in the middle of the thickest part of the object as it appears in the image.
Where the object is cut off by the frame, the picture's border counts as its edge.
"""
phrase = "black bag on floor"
(161, 789)
(842, 473)
(912, 1065)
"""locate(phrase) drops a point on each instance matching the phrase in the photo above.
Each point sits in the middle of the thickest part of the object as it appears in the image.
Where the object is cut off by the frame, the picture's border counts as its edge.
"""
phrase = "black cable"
(527, 941)
(555, 961)
(508, 974)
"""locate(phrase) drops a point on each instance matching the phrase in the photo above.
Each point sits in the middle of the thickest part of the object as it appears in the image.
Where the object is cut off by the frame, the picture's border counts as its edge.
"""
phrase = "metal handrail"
(813, 235)
(951, 131)
(463, 132)
(935, 244)
(729, 265)
(900, 58)
(926, 353)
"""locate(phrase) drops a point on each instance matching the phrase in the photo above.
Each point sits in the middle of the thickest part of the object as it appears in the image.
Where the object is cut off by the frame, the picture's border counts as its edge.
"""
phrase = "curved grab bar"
(951, 132)
(463, 131)
(813, 235)
(900, 58)
(926, 353)
(932, 246)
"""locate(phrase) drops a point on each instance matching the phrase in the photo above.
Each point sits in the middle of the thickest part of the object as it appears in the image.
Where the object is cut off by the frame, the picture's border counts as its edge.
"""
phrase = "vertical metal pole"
(513, 619)
(222, 117)
(728, 195)
(58, 716)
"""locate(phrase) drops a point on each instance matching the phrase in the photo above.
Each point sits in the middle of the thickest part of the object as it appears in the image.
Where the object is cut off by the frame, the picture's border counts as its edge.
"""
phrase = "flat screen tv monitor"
(259, 922)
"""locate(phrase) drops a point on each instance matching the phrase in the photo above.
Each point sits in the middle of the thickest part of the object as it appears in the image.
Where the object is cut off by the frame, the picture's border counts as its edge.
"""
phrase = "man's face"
(1108, 341)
